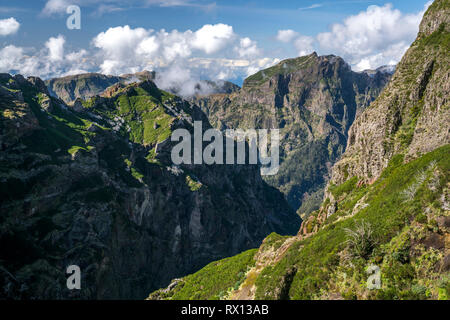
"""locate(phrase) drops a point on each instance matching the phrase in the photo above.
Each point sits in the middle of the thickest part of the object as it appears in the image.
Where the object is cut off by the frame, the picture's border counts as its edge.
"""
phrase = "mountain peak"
(292, 65)
(437, 16)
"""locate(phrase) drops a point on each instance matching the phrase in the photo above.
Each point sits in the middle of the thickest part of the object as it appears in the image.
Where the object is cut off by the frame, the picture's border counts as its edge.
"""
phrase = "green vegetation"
(319, 259)
(144, 114)
(274, 240)
(61, 129)
(74, 149)
(214, 281)
(136, 174)
(344, 188)
(193, 184)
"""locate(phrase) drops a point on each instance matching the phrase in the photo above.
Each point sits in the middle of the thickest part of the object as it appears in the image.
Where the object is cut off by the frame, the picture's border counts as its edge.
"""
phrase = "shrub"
(361, 241)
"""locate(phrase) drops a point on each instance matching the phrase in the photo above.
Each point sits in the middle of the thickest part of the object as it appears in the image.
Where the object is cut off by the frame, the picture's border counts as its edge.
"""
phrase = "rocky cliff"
(92, 185)
(314, 101)
(412, 115)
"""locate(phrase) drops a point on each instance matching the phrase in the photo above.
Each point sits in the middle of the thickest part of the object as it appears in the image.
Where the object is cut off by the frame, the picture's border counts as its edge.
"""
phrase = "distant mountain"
(88, 85)
(388, 69)
(314, 101)
(93, 185)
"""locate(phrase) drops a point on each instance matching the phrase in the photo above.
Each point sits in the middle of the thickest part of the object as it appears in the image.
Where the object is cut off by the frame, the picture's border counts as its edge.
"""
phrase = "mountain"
(389, 69)
(93, 185)
(88, 85)
(314, 101)
(386, 210)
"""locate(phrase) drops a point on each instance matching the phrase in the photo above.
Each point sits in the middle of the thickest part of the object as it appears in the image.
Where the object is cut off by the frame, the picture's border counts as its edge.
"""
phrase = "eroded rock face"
(83, 186)
(412, 115)
(313, 100)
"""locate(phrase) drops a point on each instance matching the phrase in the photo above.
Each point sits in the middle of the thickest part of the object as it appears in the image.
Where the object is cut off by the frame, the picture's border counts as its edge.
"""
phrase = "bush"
(361, 241)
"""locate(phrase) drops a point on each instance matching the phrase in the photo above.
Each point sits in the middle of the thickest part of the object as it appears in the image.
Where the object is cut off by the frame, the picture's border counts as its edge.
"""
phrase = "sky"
(188, 40)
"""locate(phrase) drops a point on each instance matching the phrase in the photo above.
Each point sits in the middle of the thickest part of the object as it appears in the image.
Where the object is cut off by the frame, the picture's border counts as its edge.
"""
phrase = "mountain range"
(87, 179)
(93, 185)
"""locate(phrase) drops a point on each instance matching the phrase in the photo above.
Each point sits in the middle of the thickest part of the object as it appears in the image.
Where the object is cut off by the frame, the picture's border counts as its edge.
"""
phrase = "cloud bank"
(182, 58)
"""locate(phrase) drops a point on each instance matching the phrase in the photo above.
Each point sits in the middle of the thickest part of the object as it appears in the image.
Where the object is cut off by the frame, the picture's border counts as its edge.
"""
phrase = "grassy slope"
(213, 281)
(389, 214)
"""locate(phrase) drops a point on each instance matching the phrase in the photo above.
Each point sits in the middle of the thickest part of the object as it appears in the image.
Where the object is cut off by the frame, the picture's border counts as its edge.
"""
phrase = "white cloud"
(10, 57)
(247, 48)
(148, 46)
(313, 6)
(124, 49)
(48, 62)
(55, 48)
(304, 45)
(286, 35)
(55, 6)
(260, 64)
(181, 57)
(8, 26)
(175, 45)
(212, 38)
(379, 35)
(119, 42)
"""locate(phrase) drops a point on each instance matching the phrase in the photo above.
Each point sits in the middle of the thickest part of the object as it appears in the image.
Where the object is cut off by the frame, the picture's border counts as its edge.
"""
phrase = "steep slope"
(92, 185)
(313, 100)
(387, 207)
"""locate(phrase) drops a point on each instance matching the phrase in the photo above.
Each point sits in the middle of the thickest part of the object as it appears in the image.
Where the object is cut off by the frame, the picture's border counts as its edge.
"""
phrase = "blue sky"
(365, 33)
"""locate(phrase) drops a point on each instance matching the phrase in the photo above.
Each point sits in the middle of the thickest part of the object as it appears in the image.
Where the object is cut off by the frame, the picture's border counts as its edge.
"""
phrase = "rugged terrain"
(92, 185)
(386, 208)
(87, 85)
(313, 100)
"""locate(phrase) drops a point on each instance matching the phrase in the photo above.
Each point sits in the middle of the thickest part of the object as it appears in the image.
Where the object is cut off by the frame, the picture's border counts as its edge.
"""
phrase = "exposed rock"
(412, 115)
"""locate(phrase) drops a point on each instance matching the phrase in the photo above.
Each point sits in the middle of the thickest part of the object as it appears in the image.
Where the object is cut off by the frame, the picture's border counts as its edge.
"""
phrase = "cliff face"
(92, 185)
(313, 100)
(412, 115)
